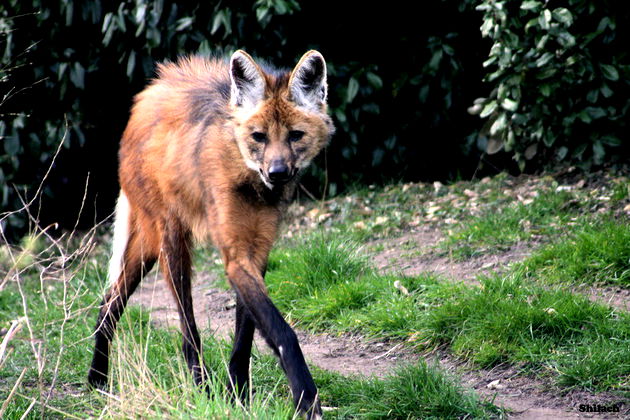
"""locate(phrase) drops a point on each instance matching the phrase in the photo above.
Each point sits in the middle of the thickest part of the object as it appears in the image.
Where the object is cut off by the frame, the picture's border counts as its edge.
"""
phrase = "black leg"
(176, 264)
(112, 308)
(241, 352)
(280, 337)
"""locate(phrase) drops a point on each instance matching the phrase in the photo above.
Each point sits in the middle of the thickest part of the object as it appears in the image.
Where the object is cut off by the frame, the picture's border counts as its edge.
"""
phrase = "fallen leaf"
(359, 225)
(398, 285)
(496, 384)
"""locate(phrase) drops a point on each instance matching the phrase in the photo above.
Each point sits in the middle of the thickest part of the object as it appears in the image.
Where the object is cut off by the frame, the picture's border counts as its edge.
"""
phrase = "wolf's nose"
(278, 171)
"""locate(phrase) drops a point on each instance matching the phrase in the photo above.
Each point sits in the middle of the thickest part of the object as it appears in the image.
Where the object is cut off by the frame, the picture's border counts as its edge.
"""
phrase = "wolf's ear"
(307, 84)
(248, 83)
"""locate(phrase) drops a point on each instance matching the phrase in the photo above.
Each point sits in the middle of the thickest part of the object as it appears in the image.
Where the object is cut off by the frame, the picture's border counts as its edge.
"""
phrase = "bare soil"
(214, 312)
(424, 258)
(525, 397)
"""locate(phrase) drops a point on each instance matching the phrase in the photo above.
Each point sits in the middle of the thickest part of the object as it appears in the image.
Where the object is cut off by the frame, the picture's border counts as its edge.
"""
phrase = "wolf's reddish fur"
(211, 152)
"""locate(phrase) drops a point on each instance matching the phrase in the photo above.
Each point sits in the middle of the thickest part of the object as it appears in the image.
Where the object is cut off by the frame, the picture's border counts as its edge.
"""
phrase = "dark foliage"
(400, 80)
(560, 78)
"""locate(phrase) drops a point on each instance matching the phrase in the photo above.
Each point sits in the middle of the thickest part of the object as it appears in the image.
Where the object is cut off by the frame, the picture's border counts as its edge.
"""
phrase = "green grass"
(529, 318)
(149, 375)
(596, 252)
(507, 222)
(418, 391)
(511, 320)
(327, 284)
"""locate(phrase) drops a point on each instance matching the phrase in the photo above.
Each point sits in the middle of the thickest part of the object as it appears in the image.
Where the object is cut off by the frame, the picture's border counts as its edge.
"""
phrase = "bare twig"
(16, 325)
(380, 356)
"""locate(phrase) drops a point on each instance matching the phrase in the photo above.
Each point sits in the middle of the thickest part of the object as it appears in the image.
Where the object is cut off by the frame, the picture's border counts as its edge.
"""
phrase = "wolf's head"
(280, 118)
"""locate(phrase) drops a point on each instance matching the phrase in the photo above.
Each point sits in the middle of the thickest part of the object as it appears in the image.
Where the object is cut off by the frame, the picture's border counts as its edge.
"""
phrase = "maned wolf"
(212, 151)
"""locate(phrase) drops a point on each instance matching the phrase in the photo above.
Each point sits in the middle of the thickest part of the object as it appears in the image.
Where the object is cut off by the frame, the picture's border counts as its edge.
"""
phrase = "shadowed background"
(551, 78)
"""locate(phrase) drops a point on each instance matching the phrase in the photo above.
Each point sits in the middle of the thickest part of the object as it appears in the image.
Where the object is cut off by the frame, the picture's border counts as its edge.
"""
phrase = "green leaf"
(353, 89)
(606, 91)
(549, 139)
(561, 153)
(494, 145)
(281, 7)
(488, 109)
(531, 151)
(489, 61)
(69, 13)
(598, 152)
(261, 13)
(77, 75)
(585, 117)
(566, 40)
(595, 112)
(120, 17)
(509, 105)
(609, 72)
(542, 42)
(423, 94)
(486, 27)
(530, 5)
(131, 64)
(475, 109)
(374, 80)
(11, 145)
(216, 22)
(544, 20)
(531, 23)
(611, 141)
(499, 125)
(563, 16)
(544, 59)
(546, 73)
(592, 96)
(109, 32)
(141, 11)
(545, 89)
(502, 91)
(435, 60)
(186, 22)
(107, 20)
(61, 70)
(521, 162)
(371, 108)
(603, 24)
(341, 116)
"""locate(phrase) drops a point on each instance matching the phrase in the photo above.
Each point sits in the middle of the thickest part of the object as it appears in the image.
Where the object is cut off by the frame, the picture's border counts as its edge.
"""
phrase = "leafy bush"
(559, 74)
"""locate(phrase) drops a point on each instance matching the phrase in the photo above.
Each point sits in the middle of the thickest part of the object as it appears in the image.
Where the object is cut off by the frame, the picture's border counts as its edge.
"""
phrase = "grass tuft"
(595, 253)
(510, 320)
(505, 223)
(413, 391)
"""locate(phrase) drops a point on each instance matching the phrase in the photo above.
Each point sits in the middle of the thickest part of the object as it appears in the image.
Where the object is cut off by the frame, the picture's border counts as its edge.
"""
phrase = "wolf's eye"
(295, 135)
(259, 137)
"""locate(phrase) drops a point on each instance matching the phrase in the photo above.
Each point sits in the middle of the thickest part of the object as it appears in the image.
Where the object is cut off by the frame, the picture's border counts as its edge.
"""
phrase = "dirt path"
(397, 258)
(214, 312)
(525, 397)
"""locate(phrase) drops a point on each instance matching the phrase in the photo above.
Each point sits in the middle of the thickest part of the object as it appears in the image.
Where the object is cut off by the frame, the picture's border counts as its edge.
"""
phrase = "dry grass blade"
(6, 402)
(16, 326)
